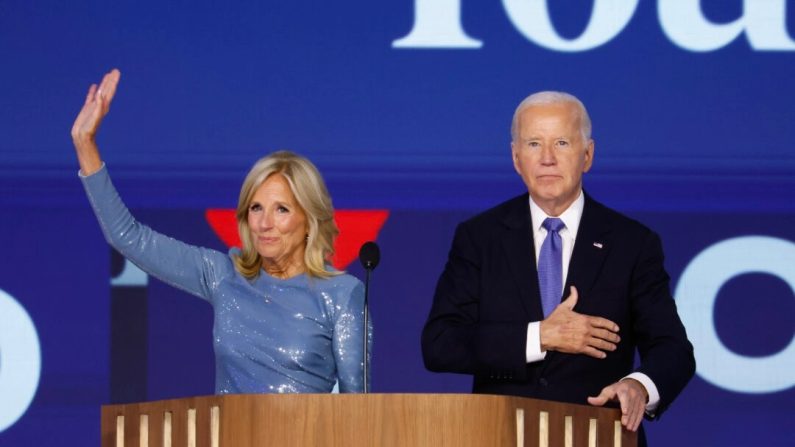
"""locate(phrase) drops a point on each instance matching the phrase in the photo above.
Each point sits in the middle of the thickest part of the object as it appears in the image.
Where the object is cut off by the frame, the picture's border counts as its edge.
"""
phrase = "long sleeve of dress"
(181, 265)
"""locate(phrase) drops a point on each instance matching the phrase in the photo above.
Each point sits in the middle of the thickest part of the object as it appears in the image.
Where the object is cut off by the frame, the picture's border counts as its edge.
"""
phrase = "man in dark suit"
(501, 311)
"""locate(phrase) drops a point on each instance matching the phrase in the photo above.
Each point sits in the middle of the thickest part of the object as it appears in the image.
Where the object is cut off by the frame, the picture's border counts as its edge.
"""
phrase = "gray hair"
(552, 97)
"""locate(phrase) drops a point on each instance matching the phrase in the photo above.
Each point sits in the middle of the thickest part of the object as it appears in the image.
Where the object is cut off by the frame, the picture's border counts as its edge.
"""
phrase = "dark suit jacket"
(489, 292)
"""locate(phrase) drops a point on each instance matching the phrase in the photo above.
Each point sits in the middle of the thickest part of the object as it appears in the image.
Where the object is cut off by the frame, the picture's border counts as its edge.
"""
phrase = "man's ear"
(515, 158)
(589, 148)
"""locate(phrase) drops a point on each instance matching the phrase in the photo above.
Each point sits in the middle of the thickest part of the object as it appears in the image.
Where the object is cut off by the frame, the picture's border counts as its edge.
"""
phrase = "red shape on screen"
(356, 227)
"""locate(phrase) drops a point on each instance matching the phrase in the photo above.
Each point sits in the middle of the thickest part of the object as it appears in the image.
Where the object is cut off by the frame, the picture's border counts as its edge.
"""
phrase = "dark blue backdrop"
(696, 143)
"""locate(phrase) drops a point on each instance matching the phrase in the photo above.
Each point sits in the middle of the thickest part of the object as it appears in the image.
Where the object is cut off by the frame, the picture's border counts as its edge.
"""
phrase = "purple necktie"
(550, 266)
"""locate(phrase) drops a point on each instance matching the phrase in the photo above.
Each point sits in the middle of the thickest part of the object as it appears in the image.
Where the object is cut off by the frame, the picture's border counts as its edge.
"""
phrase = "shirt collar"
(571, 216)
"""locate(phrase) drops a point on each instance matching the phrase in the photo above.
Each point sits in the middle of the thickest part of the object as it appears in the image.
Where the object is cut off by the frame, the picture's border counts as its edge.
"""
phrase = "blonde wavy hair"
(310, 191)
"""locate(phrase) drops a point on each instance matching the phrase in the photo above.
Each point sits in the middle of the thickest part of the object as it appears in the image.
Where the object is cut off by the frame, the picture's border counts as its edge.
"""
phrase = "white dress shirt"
(571, 218)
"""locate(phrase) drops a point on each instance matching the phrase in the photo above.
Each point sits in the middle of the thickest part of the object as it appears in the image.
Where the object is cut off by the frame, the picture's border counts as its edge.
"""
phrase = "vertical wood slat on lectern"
(167, 435)
(593, 434)
(143, 430)
(435, 420)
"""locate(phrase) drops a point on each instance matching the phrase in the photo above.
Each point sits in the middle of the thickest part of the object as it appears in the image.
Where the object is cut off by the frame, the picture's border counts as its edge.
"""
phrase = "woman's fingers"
(90, 95)
(107, 89)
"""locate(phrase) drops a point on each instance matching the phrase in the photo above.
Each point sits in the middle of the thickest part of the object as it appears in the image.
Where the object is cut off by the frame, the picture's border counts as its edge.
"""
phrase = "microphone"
(369, 256)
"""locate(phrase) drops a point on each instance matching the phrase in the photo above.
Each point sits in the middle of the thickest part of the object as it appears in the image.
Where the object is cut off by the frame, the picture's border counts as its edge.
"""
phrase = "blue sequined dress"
(296, 335)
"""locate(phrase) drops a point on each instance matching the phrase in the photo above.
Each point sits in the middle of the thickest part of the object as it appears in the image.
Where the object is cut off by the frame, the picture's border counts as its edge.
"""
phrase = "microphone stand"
(369, 256)
(366, 328)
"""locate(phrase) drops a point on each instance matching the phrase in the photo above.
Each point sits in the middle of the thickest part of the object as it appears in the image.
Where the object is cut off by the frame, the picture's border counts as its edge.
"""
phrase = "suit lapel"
(520, 252)
(590, 248)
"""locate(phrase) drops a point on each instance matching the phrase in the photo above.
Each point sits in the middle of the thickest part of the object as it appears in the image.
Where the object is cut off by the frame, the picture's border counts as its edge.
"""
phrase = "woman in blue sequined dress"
(284, 320)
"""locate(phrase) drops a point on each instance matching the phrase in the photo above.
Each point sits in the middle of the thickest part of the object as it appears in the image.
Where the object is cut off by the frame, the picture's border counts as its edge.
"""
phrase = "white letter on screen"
(763, 20)
(695, 297)
(131, 275)
(532, 19)
(437, 24)
(20, 360)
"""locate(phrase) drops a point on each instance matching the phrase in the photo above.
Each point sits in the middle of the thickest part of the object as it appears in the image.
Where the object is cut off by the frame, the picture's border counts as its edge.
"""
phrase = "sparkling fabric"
(550, 266)
(296, 335)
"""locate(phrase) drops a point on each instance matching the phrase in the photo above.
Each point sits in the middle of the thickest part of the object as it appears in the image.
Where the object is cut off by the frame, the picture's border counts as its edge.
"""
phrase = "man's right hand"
(568, 331)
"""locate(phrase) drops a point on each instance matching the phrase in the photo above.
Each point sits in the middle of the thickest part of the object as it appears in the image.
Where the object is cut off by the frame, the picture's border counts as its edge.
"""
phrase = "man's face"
(551, 154)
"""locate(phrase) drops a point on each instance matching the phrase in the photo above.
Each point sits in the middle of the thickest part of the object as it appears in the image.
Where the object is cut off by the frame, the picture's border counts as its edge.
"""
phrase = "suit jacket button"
(543, 382)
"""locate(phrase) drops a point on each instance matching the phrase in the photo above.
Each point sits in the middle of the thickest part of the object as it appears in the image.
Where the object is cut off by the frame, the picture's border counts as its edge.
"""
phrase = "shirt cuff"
(533, 351)
(654, 395)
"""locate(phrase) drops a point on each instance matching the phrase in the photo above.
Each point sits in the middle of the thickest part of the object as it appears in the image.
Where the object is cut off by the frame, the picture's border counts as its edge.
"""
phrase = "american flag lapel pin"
(598, 245)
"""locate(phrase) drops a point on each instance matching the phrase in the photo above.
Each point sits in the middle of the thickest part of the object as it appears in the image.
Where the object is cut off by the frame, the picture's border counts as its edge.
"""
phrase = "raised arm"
(194, 269)
(86, 125)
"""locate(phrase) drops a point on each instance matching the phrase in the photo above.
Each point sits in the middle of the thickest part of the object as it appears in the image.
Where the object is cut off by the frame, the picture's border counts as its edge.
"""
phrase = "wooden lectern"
(435, 420)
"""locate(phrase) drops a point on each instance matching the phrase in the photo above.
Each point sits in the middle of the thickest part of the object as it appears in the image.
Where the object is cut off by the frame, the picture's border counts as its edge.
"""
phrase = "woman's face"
(278, 227)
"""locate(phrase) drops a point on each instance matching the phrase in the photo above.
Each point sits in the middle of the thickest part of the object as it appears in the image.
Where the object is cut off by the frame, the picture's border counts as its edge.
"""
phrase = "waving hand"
(86, 125)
